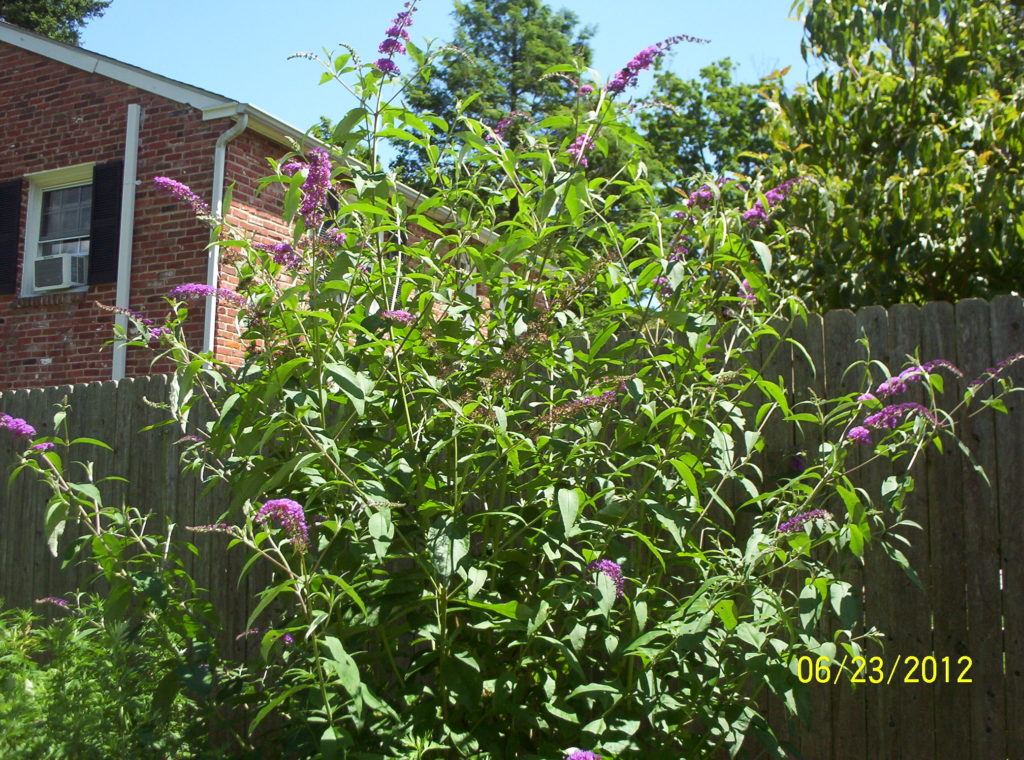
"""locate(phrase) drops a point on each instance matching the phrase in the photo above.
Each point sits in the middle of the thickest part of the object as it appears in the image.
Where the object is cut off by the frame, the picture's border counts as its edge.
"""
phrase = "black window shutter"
(10, 223)
(105, 229)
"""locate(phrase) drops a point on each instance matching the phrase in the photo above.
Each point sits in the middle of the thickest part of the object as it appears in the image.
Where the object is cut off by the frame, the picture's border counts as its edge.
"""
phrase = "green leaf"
(569, 507)
(344, 127)
(764, 252)
(511, 610)
(343, 666)
(726, 611)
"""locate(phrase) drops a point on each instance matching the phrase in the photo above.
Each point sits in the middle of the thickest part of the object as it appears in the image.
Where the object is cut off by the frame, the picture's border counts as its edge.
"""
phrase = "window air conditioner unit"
(65, 270)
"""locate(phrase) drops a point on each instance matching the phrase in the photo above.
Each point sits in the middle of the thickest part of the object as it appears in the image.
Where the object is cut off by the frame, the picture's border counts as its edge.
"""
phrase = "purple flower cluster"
(860, 435)
(194, 291)
(579, 148)
(746, 292)
(399, 315)
(183, 192)
(284, 254)
(582, 754)
(55, 600)
(585, 89)
(993, 372)
(44, 446)
(794, 523)
(318, 182)
(291, 517)
(334, 238)
(662, 283)
(16, 425)
(898, 384)
(701, 197)
(888, 418)
(613, 571)
(628, 76)
(291, 168)
(502, 127)
(891, 415)
(392, 44)
(758, 215)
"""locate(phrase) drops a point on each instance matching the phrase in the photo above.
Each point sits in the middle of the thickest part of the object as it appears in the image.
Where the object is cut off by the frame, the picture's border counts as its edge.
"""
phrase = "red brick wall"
(53, 116)
(256, 217)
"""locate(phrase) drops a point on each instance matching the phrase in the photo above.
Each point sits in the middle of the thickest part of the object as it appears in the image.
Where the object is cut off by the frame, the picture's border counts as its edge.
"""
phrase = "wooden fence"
(969, 553)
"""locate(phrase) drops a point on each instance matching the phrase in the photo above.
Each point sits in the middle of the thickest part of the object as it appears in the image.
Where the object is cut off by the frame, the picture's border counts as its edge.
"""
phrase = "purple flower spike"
(387, 67)
(613, 571)
(628, 77)
(16, 425)
(333, 237)
(318, 182)
(291, 517)
(582, 754)
(860, 435)
(284, 254)
(392, 44)
(794, 523)
(183, 192)
(579, 148)
(758, 215)
(54, 600)
(399, 315)
(898, 384)
(585, 89)
(45, 446)
(891, 415)
(194, 291)
(747, 293)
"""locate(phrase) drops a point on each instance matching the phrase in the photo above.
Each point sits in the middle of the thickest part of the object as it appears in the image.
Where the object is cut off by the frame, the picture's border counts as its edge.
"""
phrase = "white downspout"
(122, 296)
(213, 262)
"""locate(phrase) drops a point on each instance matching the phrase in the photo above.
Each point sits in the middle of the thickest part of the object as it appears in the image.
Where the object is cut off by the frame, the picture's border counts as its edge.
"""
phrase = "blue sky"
(240, 48)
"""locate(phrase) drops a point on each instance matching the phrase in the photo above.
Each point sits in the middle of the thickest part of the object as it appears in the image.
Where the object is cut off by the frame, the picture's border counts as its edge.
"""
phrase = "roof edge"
(212, 105)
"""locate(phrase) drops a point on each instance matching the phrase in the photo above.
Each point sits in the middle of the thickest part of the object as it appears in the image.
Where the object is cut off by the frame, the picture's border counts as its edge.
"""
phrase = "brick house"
(81, 138)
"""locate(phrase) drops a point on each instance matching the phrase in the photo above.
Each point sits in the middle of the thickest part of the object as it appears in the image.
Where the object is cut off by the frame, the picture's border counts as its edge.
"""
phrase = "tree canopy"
(61, 20)
(913, 136)
(500, 53)
(703, 125)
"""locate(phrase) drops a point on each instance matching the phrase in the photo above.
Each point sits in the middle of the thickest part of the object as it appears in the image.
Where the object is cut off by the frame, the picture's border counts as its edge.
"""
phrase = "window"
(58, 225)
(65, 221)
(71, 230)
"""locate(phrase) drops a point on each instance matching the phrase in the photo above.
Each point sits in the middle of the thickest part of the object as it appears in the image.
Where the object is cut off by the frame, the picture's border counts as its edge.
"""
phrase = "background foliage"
(913, 136)
(60, 19)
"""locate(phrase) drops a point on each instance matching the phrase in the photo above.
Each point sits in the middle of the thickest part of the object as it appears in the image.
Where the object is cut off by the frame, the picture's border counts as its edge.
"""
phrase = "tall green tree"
(708, 124)
(913, 139)
(61, 20)
(500, 53)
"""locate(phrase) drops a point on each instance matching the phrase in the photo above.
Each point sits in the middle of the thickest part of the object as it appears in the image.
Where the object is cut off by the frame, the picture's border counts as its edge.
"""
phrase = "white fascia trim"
(94, 63)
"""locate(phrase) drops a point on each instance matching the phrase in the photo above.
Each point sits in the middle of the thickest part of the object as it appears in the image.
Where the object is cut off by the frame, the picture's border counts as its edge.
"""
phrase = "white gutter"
(213, 262)
(122, 297)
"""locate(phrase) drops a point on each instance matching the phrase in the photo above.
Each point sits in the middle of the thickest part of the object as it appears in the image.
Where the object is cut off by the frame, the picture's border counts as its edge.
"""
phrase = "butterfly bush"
(421, 516)
(184, 193)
